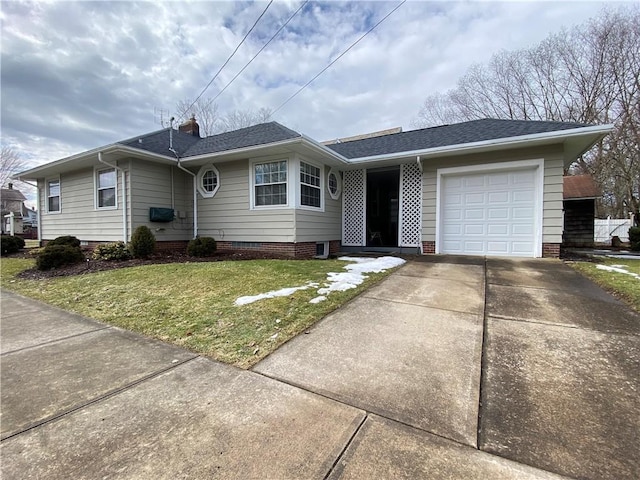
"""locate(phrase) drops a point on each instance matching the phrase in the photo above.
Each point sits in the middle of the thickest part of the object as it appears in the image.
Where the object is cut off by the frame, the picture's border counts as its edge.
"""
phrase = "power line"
(259, 52)
(228, 59)
(338, 57)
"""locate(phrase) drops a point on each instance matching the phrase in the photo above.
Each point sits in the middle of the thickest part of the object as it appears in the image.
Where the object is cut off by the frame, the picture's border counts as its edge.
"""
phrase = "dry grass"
(192, 304)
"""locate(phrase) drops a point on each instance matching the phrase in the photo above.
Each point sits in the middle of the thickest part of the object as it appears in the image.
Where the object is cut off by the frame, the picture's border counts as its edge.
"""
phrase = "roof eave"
(596, 132)
(230, 155)
(59, 165)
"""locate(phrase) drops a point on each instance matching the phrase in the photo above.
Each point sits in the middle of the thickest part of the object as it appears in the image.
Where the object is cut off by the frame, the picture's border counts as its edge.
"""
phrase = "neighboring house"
(579, 200)
(484, 187)
(12, 202)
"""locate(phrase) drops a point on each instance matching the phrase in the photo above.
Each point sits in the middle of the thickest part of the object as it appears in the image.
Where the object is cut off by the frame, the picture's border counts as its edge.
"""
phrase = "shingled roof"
(579, 186)
(186, 145)
(446, 135)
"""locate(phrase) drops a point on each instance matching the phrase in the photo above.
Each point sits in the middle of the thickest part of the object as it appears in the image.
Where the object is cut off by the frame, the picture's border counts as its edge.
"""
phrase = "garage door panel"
(520, 213)
(474, 214)
(522, 229)
(472, 181)
(474, 229)
(527, 196)
(523, 177)
(498, 229)
(498, 248)
(499, 179)
(498, 197)
(494, 214)
(498, 213)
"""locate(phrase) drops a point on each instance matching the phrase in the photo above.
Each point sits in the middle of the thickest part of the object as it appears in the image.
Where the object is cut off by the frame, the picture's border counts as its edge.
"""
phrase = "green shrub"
(20, 241)
(65, 240)
(143, 242)
(634, 238)
(9, 244)
(201, 247)
(55, 256)
(111, 251)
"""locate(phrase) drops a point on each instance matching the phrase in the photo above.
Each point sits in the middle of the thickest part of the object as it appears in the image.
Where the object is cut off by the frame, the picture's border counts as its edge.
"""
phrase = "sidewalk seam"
(104, 396)
(106, 327)
(483, 360)
(346, 447)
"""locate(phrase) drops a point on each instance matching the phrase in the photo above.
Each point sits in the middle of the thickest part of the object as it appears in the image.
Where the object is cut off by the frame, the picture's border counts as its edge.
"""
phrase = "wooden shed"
(579, 205)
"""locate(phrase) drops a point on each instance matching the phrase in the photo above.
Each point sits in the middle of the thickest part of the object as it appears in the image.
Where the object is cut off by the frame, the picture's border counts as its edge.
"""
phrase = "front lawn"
(192, 304)
(624, 286)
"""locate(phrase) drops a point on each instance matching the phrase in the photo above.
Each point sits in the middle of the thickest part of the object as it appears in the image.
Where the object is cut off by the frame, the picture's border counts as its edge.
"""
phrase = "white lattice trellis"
(410, 205)
(353, 208)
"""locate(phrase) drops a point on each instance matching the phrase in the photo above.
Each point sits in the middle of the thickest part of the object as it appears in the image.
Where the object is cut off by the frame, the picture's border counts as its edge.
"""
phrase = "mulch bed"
(92, 266)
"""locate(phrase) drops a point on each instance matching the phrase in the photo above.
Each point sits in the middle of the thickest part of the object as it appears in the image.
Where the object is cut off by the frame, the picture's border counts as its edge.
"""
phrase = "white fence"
(603, 230)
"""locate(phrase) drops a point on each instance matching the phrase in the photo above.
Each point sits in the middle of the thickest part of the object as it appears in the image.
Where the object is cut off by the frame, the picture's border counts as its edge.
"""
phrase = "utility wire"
(338, 57)
(228, 59)
(259, 51)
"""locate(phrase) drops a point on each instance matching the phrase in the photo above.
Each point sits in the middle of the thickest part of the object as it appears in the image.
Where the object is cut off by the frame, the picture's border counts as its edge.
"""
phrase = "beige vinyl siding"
(228, 216)
(552, 195)
(78, 215)
(315, 226)
(152, 187)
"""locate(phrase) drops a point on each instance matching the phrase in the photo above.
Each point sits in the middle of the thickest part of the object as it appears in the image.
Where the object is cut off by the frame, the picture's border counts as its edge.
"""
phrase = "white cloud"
(77, 75)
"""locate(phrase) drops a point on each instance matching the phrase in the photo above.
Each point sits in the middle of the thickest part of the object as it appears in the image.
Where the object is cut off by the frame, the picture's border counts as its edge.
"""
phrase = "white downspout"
(125, 230)
(35, 185)
(195, 193)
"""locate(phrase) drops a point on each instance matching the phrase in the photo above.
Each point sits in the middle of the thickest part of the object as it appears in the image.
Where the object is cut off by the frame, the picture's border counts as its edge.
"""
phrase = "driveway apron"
(561, 376)
(408, 349)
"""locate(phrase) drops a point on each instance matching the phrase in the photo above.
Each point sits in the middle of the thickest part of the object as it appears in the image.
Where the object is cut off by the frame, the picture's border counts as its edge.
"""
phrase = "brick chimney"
(11, 186)
(191, 127)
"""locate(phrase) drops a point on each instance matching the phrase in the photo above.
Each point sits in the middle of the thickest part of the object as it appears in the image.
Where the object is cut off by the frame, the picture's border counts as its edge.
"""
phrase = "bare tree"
(589, 74)
(10, 164)
(237, 119)
(211, 121)
(205, 111)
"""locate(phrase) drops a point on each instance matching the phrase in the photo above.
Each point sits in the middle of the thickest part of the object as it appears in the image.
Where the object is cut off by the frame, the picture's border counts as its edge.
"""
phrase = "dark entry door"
(383, 188)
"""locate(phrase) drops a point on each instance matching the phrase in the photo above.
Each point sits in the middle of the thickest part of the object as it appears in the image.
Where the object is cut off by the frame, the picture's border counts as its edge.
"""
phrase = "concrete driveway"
(452, 367)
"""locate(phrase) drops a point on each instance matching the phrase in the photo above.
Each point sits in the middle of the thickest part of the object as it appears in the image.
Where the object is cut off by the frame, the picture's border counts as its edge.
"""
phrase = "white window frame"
(336, 195)
(319, 187)
(201, 173)
(97, 188)
(48, 195)
(252, 182)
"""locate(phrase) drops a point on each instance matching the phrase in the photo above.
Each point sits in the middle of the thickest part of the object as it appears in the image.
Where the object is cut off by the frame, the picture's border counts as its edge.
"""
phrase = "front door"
(383, 188)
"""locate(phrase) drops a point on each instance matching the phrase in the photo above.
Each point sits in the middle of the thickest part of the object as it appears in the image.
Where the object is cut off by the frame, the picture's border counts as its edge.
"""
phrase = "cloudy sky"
(78, 75)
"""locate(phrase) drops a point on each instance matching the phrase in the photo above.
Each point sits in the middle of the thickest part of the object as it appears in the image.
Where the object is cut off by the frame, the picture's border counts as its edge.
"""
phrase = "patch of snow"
(283, 292)
(336, 282)
(617, 269)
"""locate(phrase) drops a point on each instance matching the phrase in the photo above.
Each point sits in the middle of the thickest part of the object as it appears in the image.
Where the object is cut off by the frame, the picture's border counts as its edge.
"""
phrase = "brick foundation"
(289, 249)
(428, 247)
(551, 250)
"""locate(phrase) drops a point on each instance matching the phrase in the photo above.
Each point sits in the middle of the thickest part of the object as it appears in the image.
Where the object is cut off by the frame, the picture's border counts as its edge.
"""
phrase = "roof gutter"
(125, 229)
(195, 192)
(599, 130)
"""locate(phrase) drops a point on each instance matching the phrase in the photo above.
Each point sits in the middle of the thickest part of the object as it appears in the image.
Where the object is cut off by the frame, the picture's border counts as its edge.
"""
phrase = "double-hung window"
(270, 183)
(53, 196)
(310, 185)
(106, 188)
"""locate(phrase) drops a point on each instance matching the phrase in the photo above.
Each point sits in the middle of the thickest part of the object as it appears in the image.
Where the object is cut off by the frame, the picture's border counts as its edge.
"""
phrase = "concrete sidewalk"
(452, 367)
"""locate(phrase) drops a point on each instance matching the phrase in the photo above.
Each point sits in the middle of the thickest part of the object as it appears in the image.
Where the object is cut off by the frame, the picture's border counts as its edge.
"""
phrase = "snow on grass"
(336, 281)
(617, 269)
(283, 292)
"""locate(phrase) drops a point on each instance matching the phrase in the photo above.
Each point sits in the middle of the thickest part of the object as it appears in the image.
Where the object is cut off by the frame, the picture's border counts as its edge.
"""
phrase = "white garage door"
(489, 213)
